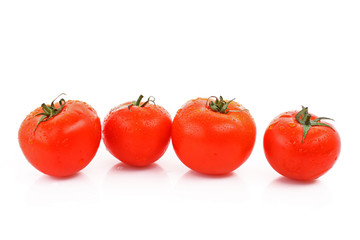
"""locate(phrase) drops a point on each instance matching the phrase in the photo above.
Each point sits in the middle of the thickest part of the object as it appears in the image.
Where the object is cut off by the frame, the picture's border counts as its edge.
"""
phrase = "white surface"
(273, 56)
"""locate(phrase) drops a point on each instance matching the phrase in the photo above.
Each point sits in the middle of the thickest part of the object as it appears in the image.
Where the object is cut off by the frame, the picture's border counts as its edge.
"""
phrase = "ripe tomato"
(137, 133)
(60, 139)
(213, 137)
(300, 146)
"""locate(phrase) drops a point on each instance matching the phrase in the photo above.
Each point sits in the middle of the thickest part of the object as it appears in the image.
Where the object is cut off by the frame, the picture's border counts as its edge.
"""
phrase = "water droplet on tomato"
(292, 124)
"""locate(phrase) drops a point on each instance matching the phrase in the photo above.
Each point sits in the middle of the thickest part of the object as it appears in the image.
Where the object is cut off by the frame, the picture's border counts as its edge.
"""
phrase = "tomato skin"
(211, 142)
(64, 144)
(295, 159)
(139, 136)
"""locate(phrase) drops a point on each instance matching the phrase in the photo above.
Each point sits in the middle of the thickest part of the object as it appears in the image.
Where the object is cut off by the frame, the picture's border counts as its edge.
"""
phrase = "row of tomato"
(209, 135)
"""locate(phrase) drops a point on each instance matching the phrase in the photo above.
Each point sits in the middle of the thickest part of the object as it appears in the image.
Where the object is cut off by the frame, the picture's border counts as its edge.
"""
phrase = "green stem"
(219, 105)
(304, 118)
(138, 101)
(50, 111)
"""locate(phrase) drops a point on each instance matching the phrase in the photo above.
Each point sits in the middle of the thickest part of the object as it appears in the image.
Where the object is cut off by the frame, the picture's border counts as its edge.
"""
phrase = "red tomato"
(137, 133)
(213, 137)
(60, 139)
(300, 146)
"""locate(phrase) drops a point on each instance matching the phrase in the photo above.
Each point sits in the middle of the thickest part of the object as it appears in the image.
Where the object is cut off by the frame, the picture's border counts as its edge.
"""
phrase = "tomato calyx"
(304, 118)
(50, 110)
(138, 102)
(220, 105)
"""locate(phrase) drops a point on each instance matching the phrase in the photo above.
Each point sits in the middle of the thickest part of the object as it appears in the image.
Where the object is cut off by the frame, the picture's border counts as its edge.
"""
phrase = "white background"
(272, 56)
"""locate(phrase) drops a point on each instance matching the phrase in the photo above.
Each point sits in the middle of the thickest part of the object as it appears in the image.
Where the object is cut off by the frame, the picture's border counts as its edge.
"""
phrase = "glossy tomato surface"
(294, 158)
(64, 144)
(138, 136)
(211, 142)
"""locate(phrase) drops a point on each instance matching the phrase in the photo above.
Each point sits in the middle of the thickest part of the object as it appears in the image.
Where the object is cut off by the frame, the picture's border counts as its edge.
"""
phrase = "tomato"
(300, 146)
(137, 133)
(60, 139)
(213, 137)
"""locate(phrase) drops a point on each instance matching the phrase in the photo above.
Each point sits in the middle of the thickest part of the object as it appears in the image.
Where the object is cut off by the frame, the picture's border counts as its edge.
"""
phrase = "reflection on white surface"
(223, 188)
(77, 189)
(124, 181)
(291, 192)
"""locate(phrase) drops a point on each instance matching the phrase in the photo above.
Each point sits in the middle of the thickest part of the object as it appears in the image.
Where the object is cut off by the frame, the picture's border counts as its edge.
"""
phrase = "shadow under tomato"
(289, 181)
(75, 189)
(287, 191)
(122, 167)
(195, 175)
(77, 175)
(125, 181)
(214, 188)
